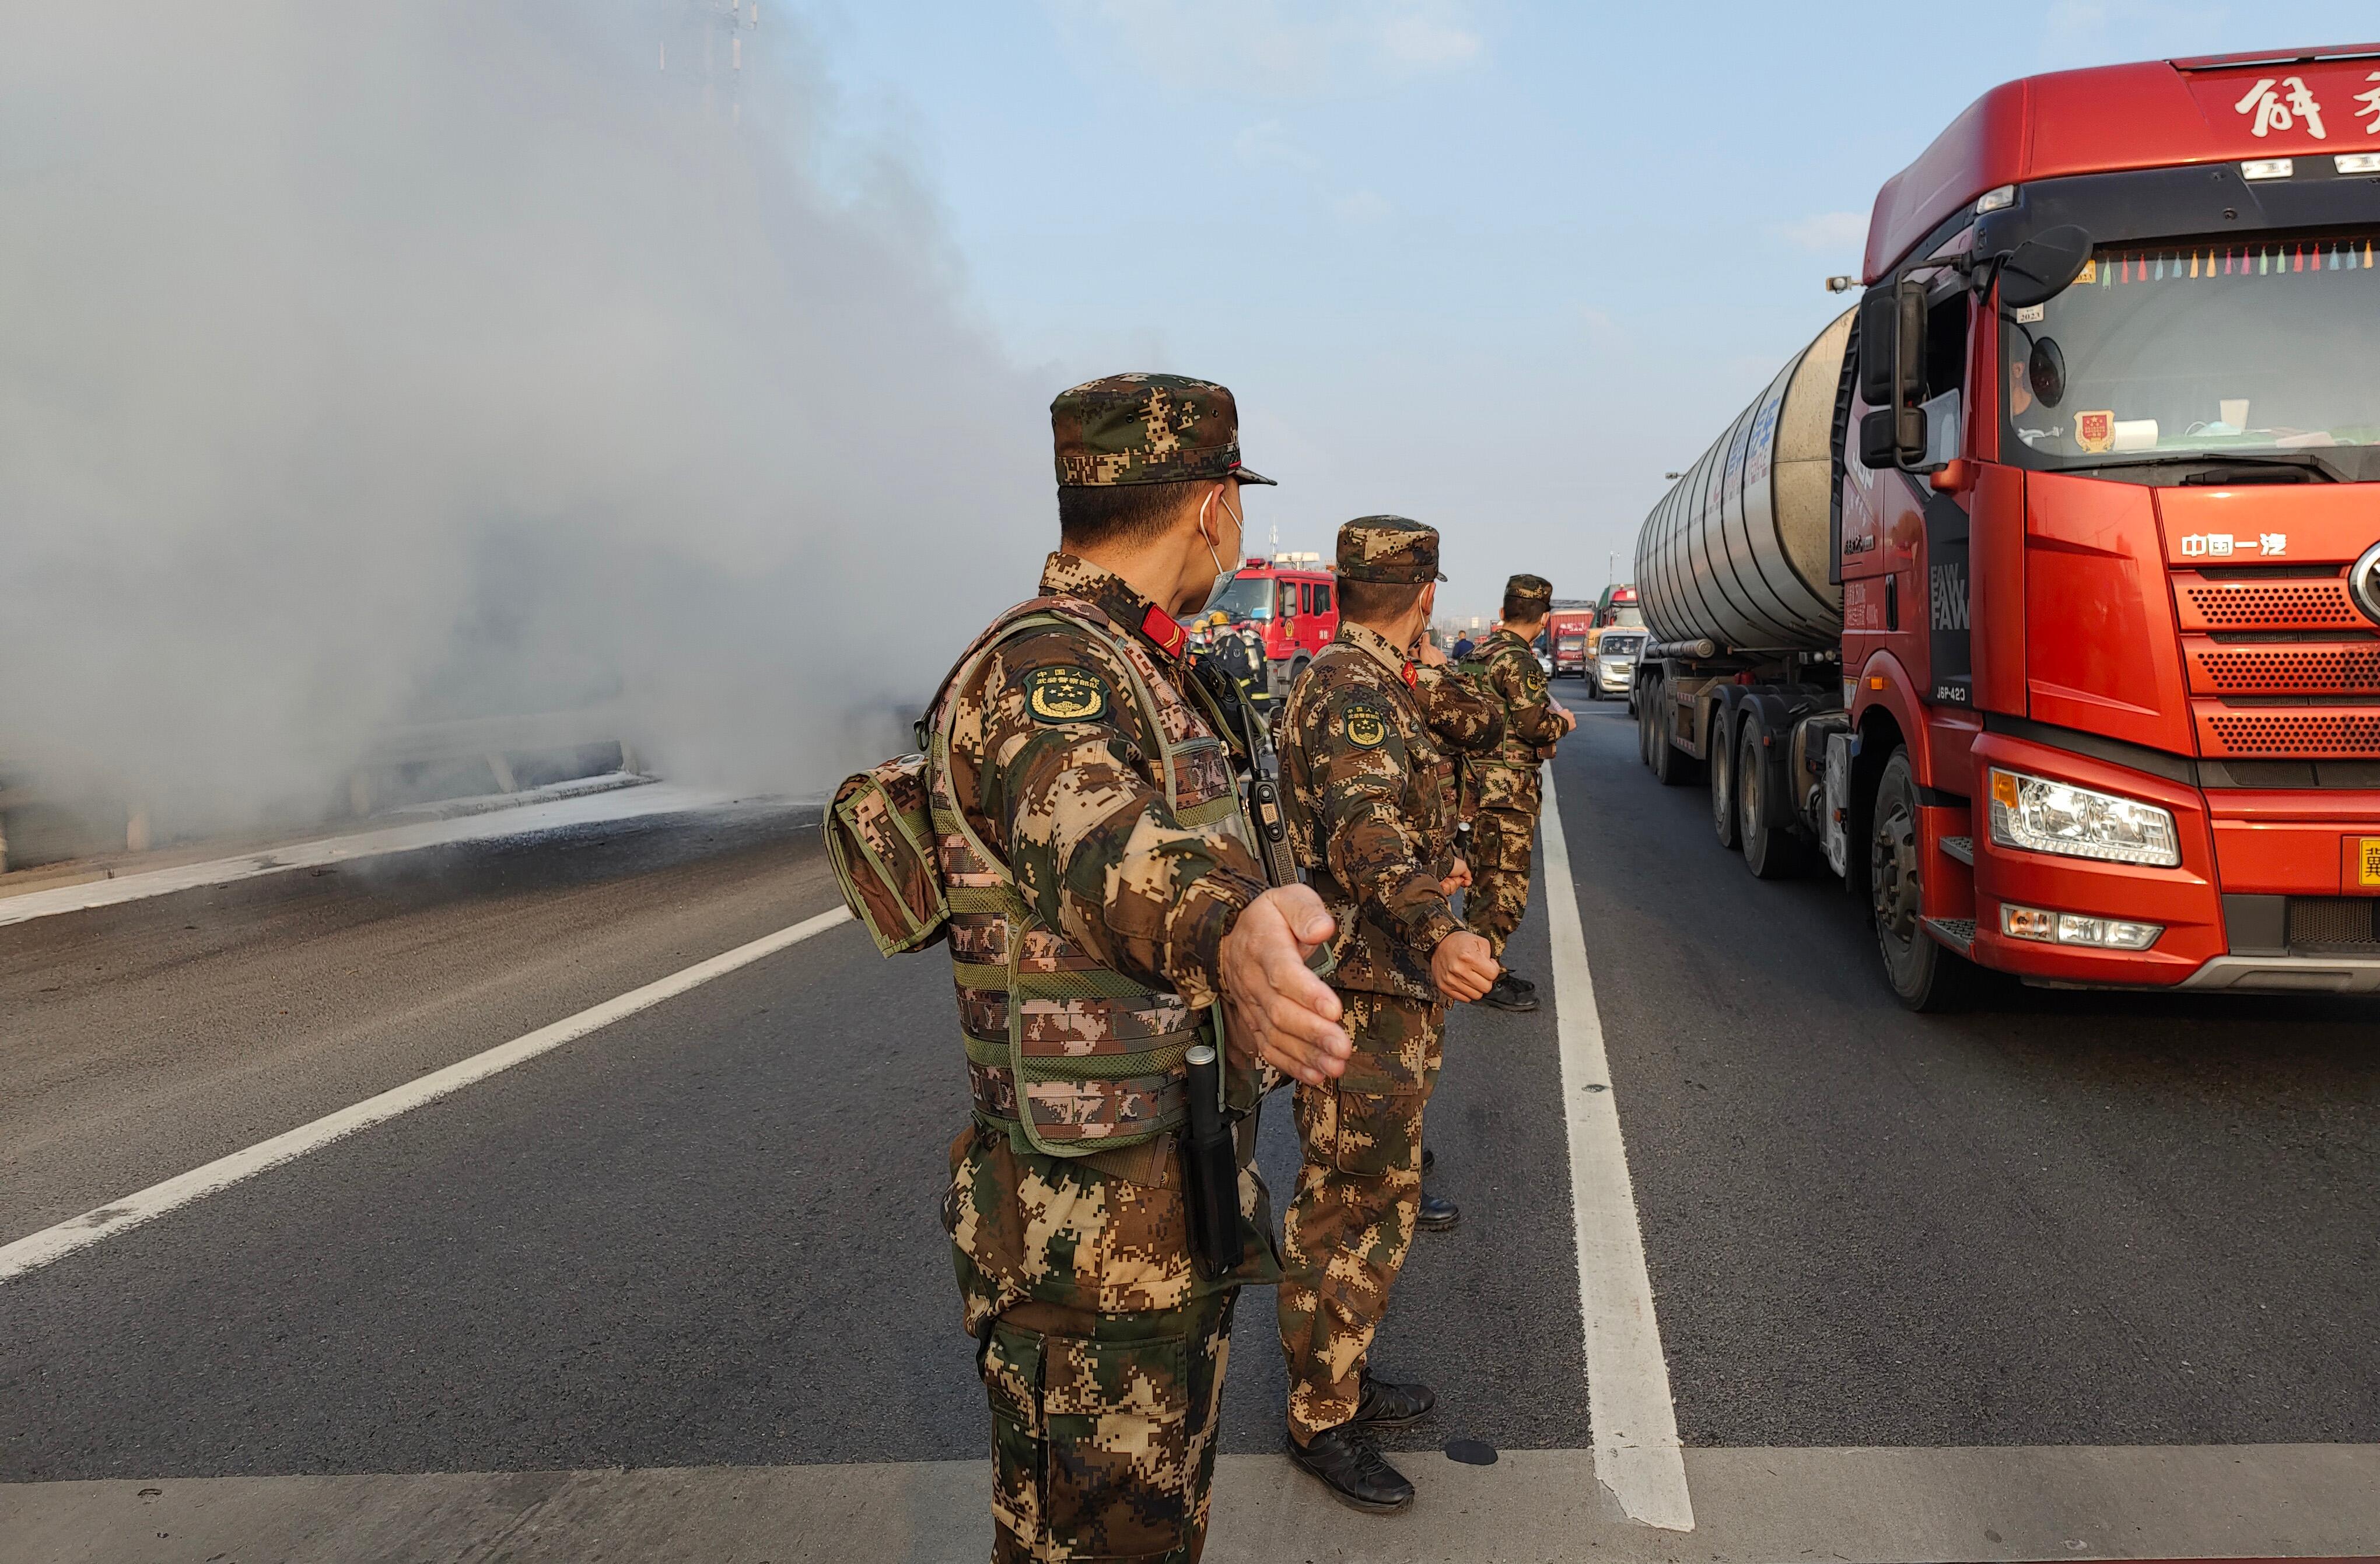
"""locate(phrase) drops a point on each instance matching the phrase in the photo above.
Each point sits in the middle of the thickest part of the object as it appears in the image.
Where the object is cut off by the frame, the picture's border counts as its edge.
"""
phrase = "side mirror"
(1892, 374)
(1891, 437)
(1876, 337)
(2043, 266)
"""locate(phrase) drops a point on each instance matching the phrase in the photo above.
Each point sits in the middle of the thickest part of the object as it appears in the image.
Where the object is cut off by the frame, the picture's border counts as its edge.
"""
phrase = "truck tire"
(1723, 779)
(1923, 974)
(1641, 708)
(1772, 849)
(1672, 767)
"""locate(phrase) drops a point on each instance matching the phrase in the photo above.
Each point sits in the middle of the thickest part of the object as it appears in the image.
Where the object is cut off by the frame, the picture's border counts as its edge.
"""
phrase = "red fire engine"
(1293, 600)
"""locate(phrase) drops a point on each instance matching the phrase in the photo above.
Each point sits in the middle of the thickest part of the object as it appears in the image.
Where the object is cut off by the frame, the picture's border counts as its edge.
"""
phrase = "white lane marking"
(619, 804)
(39, 1249)
(1629, 1412)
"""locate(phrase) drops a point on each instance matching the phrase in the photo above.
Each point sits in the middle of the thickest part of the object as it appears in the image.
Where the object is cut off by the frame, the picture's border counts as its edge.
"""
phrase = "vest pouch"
(880, 838)
(1077, 1095)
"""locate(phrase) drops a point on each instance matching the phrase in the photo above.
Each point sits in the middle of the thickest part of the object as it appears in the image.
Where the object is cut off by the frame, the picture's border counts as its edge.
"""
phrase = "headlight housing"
(2041, 815)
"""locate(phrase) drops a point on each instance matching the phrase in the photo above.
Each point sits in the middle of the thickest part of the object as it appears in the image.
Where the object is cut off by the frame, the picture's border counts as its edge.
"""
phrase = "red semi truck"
(1566, 629)
(2039, 598)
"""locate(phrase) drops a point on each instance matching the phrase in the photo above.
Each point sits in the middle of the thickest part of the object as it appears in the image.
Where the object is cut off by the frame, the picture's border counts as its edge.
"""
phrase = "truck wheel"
(1722, 781)
(1672, 767)
(1296, 670)
(1924, 975)
(1771, 849)
(1641, 708)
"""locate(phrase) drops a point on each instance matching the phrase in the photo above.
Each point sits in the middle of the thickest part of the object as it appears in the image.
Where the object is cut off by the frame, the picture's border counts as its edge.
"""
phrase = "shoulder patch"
(1066, 695)
(1366, 727)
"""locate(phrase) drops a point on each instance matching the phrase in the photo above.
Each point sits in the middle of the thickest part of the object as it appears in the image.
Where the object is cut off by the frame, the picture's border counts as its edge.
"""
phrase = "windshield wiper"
(2304, 461)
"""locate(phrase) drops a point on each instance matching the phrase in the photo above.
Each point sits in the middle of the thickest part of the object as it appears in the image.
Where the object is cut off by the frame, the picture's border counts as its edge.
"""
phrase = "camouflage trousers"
(1348, 1226)
(1500, 840)
(1101, 1348)
(1103, 1430)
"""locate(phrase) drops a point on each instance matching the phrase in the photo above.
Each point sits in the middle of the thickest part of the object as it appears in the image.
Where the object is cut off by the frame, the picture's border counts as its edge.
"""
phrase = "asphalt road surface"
(2131, 1240)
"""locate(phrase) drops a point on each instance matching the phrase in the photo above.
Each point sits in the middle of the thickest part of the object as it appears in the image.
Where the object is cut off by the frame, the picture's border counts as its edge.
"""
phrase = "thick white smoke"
(364, 364)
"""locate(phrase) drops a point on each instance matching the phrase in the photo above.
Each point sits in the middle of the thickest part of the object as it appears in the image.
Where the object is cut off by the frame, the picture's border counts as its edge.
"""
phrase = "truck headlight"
(2041, 815)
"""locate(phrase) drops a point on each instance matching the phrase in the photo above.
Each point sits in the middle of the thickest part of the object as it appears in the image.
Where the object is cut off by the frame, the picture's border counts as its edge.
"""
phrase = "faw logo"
(1950, 594)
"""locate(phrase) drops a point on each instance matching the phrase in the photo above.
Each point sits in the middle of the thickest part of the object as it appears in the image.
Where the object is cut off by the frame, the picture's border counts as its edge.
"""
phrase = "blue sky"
(1492, 264)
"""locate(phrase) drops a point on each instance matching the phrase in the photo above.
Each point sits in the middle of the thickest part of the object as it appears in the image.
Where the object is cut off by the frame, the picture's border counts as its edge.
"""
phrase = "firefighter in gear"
(1239, 652)
(1501, 788)
(1368, 740)
(1105, 910)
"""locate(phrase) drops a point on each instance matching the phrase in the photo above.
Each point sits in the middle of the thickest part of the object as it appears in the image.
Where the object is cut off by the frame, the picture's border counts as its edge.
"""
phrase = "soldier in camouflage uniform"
(1503, 788)
(1100, 1342)
(1367, 741)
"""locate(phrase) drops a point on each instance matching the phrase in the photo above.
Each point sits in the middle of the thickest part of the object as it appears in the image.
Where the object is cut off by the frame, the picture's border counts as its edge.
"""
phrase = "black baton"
(1210, 1165)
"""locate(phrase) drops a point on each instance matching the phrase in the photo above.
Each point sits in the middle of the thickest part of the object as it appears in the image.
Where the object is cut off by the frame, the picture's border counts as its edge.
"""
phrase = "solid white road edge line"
(39, 1249)
(1630, 1415)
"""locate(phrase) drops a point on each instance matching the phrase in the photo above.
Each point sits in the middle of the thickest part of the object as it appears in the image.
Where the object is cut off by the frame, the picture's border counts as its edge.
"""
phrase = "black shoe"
(1438, 1214)
(1354, 1471)
(1428, 1159)
(1386, 1405)
(1504, 995)
(1517, 981)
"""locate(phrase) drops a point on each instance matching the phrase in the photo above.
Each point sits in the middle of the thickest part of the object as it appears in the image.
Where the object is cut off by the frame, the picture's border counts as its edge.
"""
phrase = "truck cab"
(1566, 629)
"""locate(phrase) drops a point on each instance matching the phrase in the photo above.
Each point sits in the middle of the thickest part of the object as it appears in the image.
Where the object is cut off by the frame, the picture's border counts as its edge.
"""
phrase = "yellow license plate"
(2367, 860)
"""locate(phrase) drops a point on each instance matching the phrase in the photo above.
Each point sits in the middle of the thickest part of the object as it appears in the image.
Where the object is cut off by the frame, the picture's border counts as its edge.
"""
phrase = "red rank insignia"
(1163, 628)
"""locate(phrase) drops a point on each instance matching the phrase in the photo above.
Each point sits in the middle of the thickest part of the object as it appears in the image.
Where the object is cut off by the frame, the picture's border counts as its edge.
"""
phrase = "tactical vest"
(1507, 775)
(1071, 1058)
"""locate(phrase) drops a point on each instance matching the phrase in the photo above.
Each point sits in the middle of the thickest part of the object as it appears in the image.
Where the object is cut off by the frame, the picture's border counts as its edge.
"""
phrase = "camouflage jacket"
(1508, 673)
(1051, 762)
(1072, 803)
(1367, 742)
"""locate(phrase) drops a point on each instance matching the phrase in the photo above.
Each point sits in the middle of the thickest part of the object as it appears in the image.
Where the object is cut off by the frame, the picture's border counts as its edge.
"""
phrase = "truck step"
(1959, 933)
(1961, 848)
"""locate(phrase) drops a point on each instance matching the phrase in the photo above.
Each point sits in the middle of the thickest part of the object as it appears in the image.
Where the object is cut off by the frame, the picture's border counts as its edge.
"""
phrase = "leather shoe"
(1389, 1405)
(1517, 981)
(1353, 1468)
(1504, 995)
(1428, 1159)
(1438, 1214)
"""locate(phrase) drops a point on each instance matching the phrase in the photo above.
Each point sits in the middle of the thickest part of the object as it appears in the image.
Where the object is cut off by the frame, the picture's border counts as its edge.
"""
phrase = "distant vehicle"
(1294, 602)
(1613, 671)
(1566, 627)
(1615, 610)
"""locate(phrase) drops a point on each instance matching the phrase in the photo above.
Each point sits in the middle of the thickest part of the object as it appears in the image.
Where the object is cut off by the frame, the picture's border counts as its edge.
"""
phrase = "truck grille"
(2281, 664)
(2335, 921)
(2300, 668)
(2351, 733)
(2267, 605)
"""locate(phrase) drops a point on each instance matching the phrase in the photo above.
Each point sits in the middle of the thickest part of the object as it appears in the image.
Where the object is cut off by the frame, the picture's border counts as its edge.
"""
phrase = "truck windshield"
(2262, 351)
(1249, 597)
(1629, 615)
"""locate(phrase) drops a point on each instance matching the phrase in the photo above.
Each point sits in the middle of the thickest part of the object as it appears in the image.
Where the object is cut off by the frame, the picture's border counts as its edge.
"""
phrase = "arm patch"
(1062, 694)
(1363, 725)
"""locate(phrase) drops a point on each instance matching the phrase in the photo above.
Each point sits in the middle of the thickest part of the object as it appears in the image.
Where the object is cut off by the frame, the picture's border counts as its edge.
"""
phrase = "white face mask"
(1223, 578)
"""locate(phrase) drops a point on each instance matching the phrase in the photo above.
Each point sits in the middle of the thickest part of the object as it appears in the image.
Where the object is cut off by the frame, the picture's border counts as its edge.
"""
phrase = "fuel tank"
(1739, 549)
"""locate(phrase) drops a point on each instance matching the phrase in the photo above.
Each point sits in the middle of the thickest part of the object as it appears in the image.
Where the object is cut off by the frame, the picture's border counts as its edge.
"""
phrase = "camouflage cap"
(1530, 589)
(1147, 429)
(1389, 549)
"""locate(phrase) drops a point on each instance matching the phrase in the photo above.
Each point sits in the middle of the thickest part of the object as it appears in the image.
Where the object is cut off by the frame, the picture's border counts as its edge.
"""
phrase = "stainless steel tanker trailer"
(1742, 680)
